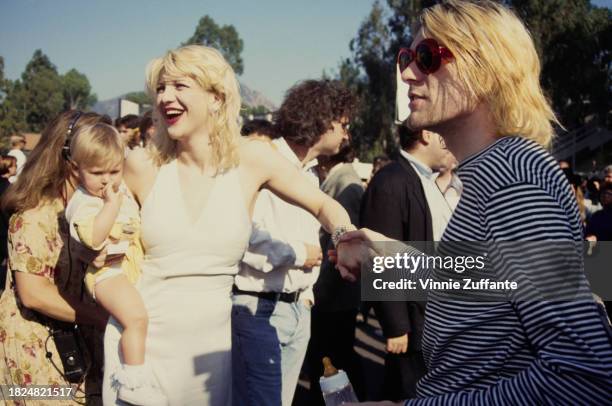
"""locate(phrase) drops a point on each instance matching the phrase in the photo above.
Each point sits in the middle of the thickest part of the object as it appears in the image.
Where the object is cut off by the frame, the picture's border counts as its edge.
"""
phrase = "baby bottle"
(335, 385)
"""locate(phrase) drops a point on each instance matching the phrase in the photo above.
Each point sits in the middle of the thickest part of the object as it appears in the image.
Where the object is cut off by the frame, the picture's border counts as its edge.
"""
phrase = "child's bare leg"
(121, 299)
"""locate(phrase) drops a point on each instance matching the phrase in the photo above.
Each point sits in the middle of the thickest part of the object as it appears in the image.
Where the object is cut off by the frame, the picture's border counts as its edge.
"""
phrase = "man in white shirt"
(18, 143)
(426, 157)
(273, 289)
(449, 183)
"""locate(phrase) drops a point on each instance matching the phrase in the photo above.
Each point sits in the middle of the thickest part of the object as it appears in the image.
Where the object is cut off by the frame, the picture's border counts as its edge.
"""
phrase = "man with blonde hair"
(473, 73)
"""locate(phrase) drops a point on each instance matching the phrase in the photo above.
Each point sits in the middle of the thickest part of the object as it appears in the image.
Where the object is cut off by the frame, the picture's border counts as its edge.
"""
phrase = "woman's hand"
(365, 235)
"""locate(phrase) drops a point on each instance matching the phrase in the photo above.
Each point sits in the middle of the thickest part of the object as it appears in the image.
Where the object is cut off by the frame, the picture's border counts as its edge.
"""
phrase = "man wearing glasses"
(473, 73)
(273, 289)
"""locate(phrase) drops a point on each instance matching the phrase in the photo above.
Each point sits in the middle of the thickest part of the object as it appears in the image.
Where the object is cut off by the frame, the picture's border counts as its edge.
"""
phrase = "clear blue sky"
(111, 41)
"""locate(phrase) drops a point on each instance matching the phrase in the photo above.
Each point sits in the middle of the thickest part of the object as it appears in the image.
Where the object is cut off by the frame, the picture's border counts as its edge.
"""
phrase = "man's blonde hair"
(207, 67)
(496, 60)
(97, 145)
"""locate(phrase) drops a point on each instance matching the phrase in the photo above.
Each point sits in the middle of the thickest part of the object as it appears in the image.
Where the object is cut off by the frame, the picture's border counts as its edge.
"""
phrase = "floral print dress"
(38, 244)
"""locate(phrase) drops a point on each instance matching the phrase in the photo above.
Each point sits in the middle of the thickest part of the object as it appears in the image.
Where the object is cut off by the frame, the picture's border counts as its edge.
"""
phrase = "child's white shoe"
(137, 387)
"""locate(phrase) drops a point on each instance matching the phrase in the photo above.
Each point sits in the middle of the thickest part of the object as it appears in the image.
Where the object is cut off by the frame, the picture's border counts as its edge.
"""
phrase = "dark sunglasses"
(427, 55)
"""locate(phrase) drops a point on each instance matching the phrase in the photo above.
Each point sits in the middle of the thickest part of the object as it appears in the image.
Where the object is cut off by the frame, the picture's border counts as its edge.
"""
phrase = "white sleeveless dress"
(187, 276)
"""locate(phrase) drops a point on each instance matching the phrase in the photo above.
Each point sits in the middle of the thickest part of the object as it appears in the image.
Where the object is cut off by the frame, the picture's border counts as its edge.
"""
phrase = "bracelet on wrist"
(339, 231)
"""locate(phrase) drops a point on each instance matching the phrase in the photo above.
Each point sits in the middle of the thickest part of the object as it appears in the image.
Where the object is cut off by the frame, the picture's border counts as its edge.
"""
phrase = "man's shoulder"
(346, 174)
(515, 160)
(394, 173)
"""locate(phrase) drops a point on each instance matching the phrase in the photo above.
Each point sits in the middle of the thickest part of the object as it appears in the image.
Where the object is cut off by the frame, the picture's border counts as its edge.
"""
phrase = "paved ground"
(370, 347)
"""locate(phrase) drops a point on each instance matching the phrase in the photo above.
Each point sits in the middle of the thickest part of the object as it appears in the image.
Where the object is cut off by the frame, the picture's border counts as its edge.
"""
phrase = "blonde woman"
(45, 274)
(196, 186)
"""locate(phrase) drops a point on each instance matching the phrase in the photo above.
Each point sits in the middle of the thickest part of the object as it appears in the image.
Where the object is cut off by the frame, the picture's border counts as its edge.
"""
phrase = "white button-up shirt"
(439, 208)
(276, 248)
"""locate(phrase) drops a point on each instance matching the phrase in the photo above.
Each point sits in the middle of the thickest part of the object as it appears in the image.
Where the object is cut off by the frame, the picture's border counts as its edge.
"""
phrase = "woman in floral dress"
(45, 273)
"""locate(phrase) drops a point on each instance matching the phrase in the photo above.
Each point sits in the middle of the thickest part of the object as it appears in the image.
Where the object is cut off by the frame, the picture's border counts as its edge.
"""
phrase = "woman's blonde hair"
(46, 171)
(207, 67)
(97, 145)
(496, 61)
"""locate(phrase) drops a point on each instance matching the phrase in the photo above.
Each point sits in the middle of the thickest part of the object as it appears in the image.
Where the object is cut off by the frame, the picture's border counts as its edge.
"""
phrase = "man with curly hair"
(273, 289)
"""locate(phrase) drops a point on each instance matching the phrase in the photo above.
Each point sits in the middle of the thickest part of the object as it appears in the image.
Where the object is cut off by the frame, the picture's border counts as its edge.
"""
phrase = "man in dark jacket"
(399, 203)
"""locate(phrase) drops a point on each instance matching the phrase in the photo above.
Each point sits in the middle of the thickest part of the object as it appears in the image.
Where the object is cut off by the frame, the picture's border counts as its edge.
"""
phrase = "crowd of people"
(180, 259)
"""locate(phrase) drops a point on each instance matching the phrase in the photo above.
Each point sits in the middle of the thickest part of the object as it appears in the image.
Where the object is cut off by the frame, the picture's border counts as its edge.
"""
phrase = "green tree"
(138, 97)
(259, 110)
(12, 110)
(574, 40)
(3, 83)
(43, 95)
(225, 39)
(77, 91)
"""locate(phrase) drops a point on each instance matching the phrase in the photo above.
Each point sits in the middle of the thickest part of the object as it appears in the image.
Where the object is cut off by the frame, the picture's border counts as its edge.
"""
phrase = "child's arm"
(104, 220)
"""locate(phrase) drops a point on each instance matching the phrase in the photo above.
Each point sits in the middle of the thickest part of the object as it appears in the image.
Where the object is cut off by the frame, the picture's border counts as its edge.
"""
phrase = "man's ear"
(425, 137)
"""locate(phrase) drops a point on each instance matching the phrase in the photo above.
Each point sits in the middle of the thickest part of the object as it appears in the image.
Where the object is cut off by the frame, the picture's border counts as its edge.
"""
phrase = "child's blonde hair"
(97, 145)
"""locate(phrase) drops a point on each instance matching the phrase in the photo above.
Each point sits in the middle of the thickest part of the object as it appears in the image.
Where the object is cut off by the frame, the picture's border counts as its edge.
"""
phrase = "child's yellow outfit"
(124, 236)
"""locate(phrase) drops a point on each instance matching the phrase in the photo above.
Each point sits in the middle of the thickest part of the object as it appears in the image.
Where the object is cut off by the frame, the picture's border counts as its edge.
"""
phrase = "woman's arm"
(139, 173)
(276, 173)
(38, 293)
(34, 245)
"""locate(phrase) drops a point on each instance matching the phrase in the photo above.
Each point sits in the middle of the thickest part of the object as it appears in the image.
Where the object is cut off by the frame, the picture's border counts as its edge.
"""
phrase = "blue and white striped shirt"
(515, 352)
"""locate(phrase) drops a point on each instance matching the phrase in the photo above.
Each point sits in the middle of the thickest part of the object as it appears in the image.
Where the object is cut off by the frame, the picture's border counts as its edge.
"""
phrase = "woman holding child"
(45, 273)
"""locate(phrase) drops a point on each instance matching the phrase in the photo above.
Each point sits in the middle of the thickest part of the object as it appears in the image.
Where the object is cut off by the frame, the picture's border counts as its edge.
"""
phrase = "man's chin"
(415, 124)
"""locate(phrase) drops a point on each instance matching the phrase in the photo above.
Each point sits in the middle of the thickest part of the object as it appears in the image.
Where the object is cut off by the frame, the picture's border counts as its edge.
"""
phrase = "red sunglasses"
(427, 55)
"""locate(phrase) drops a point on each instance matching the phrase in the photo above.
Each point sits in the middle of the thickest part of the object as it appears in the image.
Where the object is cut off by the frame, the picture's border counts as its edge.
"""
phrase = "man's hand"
(349, 255)
(397, 345)
(314, 256)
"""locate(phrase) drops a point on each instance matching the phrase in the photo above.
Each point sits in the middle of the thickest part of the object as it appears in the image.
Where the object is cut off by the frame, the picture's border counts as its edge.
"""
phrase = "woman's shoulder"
(140, 173)
(140, 159)
(42, 218)
(256, 149)
(44, 210)
(140, 166)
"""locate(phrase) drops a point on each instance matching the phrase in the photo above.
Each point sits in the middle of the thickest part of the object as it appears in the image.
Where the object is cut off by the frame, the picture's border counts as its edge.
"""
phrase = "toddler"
(102, 213)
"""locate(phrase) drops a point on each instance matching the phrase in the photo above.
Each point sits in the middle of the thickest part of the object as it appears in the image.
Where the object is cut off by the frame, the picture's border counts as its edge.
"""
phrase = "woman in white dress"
(196, 187)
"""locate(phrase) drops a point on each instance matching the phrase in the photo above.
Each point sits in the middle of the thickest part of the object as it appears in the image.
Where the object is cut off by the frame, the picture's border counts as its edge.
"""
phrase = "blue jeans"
(269, 341)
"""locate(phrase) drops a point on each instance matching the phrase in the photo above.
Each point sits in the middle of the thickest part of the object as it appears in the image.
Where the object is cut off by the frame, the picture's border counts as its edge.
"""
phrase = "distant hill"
(254, 98)
(250, 97)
